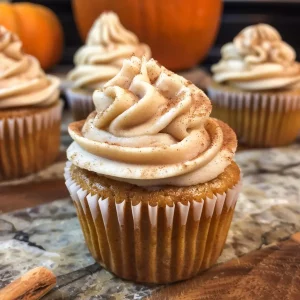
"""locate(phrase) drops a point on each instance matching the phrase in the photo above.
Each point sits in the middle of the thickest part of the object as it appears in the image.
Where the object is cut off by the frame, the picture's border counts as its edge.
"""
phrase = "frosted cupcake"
(30, 111)
(256, 88)
(107, 44)
(152, 176)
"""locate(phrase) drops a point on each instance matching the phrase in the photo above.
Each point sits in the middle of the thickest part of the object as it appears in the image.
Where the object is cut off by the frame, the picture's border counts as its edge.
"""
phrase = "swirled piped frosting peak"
(22, 81)
(100, 59)
(258, 59)
(151, 127)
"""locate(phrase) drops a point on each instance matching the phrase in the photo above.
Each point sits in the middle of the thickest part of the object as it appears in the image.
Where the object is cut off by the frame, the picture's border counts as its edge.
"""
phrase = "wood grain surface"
(31, 286)
(269, 273)
(29, 194)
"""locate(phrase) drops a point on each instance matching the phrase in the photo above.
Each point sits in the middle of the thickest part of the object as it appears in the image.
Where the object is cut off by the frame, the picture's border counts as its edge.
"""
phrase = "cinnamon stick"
(31, 286)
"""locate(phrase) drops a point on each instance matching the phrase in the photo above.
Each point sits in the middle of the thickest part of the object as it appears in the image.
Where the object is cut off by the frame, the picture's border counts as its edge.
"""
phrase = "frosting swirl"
(258, 59)
(22, 81)
(152, 127)
(107, 45)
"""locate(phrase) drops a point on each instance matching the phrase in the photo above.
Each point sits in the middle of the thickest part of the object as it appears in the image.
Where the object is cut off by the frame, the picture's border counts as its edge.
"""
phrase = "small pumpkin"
(179, 32)
(38, 28)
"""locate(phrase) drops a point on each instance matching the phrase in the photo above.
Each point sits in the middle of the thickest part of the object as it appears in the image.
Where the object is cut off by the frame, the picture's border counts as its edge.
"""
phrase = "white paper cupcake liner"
(239, 100)
(259, 119)
(81, 104)
(137, 242)
(29, 143)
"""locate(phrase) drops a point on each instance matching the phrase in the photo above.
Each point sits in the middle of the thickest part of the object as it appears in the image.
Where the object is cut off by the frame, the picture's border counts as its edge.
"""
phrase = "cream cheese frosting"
(258, 60)
(152, 127)
(107, 45)
(22, 81)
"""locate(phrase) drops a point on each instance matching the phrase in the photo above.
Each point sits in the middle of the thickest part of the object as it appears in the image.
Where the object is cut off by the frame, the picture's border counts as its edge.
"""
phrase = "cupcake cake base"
(158, 235)
(260, 119)
(29, 139)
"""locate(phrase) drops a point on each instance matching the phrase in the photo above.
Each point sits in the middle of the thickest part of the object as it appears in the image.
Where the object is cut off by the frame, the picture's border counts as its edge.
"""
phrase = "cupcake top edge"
(258, 60)
(152, 127)
(100, 59)
(22, 81)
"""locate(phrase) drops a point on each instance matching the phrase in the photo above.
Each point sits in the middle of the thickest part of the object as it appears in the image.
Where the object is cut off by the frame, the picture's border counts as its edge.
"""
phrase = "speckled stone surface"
(268, 210)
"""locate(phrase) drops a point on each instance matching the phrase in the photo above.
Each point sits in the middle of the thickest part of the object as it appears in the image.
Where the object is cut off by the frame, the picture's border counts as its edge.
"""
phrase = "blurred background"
(237, 14)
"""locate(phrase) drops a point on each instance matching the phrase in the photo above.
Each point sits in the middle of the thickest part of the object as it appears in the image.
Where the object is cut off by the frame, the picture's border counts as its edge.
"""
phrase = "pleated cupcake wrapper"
(29, 143)
(16, 126)
(154, 244)
(81, 104)
(259, 119)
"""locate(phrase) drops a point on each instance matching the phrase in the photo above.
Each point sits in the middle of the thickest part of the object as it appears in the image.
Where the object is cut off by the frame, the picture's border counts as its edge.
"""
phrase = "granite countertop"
(267, 211)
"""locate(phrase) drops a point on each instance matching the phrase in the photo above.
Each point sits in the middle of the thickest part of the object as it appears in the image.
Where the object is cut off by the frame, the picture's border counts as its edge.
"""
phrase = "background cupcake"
(256, 87)
(30, 111)
(107, 44)
(152, 176)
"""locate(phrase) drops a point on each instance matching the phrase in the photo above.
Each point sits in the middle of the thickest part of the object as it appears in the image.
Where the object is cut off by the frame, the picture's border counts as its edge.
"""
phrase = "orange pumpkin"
(38, 28)
(179, 32)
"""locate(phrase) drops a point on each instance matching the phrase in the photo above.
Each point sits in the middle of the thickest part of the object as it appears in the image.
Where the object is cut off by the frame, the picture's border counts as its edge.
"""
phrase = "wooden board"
(33, 193)
(266, 274)
(30, 195)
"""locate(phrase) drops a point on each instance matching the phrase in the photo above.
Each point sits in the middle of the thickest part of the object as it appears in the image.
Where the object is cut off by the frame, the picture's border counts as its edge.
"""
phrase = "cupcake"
(256, 88)
(152, 176)
(30, 111)
(107, 44)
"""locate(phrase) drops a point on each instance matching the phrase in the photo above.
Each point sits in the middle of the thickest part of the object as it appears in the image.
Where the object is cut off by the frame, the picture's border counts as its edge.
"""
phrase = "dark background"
(283, 15)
